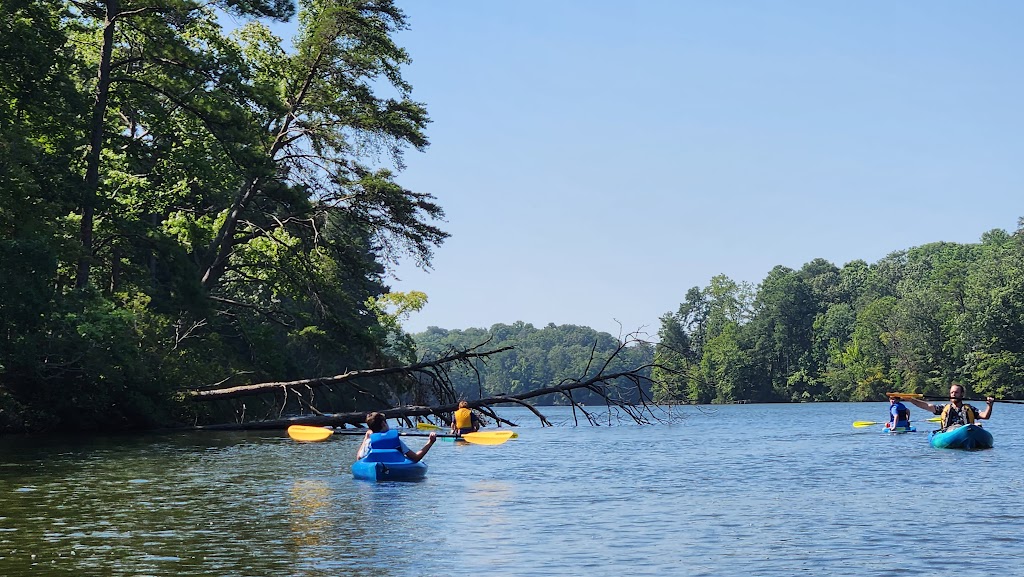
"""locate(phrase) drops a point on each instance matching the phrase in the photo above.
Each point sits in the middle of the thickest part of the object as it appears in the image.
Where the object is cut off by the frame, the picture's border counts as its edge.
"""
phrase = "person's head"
(893, 400)
(956, 392)
(463, 405)
(377, 422)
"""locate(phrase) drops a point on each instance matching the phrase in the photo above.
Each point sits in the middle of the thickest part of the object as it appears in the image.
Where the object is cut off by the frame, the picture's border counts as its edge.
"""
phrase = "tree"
(781, 329)
(674, 359)
(232, 212)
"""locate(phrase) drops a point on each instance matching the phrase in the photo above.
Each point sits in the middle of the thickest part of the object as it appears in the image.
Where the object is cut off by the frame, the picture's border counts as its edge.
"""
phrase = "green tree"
(781, 331)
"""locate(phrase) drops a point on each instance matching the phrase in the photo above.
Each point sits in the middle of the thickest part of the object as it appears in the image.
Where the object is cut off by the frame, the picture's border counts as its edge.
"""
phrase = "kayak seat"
(384, 456)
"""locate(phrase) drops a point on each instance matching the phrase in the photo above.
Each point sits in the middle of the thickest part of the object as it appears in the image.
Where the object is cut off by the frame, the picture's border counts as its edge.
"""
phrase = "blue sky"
(596, 159)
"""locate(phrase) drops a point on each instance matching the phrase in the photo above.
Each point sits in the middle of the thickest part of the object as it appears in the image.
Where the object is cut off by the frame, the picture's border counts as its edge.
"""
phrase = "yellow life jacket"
(951, 416)
(463, 419)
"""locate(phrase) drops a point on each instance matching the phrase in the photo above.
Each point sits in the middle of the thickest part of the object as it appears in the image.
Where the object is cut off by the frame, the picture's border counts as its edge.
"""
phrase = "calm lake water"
(735, 490)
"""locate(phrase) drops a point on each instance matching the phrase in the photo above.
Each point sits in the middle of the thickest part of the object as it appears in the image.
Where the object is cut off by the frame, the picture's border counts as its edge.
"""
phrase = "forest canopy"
(182, 206)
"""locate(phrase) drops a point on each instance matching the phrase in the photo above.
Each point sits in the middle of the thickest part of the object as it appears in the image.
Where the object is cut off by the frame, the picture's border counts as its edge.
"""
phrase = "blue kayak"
(386, 460)
(388, 465)
(899, 430)
(967, 437)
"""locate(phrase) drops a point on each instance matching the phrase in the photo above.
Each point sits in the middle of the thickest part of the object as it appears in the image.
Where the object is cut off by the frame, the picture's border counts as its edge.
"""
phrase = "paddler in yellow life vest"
(464, 420)
(956, 413)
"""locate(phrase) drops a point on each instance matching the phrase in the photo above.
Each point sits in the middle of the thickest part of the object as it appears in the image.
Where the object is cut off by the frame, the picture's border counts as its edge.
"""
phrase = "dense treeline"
(541, 357)
(181, 206)
(914, 321)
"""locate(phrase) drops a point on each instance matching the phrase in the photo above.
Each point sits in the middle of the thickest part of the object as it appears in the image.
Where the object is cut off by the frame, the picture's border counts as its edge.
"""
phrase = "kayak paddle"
(306, 433)
(488, 437)
(861, 424)
(940, 398)
(905, 395)
(433, 427)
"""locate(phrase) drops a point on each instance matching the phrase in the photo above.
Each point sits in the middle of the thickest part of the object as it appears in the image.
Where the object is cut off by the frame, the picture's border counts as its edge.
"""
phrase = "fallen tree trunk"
(272, 387)
(436, 371)
(639, 413)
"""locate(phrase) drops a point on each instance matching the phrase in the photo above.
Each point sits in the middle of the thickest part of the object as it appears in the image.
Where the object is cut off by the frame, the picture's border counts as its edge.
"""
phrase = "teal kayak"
(969, 437)
(899, 430)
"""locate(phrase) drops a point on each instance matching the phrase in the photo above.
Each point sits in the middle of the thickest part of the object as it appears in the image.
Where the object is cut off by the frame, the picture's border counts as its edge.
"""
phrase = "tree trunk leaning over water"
(260, 388)
(435, 373)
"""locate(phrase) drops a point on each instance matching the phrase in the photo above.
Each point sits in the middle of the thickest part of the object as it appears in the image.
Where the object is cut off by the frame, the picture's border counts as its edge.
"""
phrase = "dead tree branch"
(435, 384)
(270, 387)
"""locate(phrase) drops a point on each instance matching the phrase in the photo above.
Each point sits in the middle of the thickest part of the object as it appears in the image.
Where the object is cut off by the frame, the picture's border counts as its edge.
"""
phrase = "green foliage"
(673, 358)
(181, 207)
(914, 321)
(541, 358)
(725, 370)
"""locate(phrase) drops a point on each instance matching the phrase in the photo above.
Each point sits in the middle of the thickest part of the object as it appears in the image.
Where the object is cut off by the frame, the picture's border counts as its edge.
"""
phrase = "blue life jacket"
(902, 414)
(385, 448)
(385, 440)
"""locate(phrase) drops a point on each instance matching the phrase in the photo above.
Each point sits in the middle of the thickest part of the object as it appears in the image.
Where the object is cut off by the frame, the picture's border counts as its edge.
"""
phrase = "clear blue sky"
(596, 159)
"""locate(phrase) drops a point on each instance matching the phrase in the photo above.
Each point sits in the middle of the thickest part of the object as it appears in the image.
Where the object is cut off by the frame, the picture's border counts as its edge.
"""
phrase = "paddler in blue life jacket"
(464, 420)
(377, 439)
(956, 413)
(899, 415)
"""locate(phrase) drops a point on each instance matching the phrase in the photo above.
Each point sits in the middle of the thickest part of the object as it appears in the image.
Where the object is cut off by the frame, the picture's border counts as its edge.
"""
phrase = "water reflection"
(308, 512)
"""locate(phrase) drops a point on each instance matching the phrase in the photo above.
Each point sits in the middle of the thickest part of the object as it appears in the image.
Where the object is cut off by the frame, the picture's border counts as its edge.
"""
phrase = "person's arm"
(415, 456)
(364, 446)
(924, 405)
(988, 409)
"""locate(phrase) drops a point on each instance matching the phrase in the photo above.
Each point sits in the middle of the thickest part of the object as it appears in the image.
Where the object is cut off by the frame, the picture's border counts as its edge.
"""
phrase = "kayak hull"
(900, 430)
(968, 437)
(388, 465)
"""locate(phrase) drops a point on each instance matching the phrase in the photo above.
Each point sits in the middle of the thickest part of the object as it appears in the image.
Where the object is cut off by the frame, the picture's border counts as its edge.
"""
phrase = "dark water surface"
(735, 490)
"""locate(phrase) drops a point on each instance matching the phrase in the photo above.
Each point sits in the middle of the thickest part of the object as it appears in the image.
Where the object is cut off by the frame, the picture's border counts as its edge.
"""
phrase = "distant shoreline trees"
(914, 321)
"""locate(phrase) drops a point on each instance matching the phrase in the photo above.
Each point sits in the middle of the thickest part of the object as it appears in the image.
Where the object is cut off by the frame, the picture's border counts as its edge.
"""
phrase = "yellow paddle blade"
(934, 419)
(433, 427)
(488, 437)
(905, 395)
(306, 433)
(860, 424)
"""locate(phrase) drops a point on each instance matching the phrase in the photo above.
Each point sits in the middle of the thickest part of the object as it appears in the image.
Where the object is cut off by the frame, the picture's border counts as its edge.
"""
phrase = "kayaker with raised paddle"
(377, 437)
(956, 413)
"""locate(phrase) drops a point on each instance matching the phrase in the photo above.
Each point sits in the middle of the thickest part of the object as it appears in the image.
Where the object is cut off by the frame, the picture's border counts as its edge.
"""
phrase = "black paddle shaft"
(363, 432)
(930, 398)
